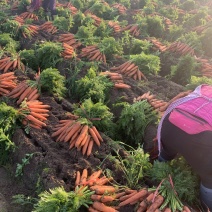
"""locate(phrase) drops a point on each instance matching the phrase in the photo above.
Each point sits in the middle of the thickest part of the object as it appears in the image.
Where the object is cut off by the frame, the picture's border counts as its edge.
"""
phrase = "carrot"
(82, 135)
(156, 204)
(72, 144)
(35, 121)
(39, 116)
(186, 209)
(91, 209)
(77, 181)
(121, 85)
(39, 106)
(85, 146)
(94, 136)
(97, 133)
(102, 207)
(58, 132)
(35, 126)
(35, 97)
(103, 189)
(118, 195)
(24, 94)
(144, 204)
(8, 66)
(125, 197)
(90, 146)
(34, 91)
(102, 198)
(103, 180)
(84, 176)
(38, 110)
(75, 127)
(17, 94)
(84, 140)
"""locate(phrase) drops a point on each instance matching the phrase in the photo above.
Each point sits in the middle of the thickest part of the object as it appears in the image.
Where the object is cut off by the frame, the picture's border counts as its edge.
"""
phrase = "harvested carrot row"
(93, 54)
(129, 69)
(24, 91)
(80, 136)
(33, 114)
(7, 83)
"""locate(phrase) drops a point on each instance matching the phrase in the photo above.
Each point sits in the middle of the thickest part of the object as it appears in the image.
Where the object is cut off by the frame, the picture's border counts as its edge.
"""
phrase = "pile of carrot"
(97, 20)
(7, 83)
(24, 91)
(115, 26)
(93, 53)
(206, 67)
(158, 45)
(19, 20)
(48, 27)
(35, 113)
(117, 79)
(30, 30)
(180, 48)
(28, 15)
(68, 51)
(78, 135)
(69, 39)
(129, 69)
(121, 8)
(133, 29)
(10, 64)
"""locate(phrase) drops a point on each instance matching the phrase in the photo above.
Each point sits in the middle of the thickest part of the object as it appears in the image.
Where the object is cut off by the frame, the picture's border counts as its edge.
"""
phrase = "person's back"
(186, 128)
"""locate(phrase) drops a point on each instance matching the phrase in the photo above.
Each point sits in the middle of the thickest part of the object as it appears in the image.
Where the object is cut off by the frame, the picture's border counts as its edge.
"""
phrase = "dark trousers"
(49, 5)
(196, 149)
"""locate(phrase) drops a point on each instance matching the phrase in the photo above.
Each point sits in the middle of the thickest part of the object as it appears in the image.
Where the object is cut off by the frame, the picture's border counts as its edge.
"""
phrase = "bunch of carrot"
(70, 6)
(97, 20)
(129, 69)
(158, 45)
(133, 29)
(8, 63)
(78, 135)
(19, 20)
(28, 15)
(35, 113)
(93, 53)
(69, 39)
(180, 48)
(206, 67)
(29, 30)
(103, 193)
(68, 51)
(121, 8)
(115, 26)
(7, 83)
(48, 27)
(200, 29)
(24, 91)
(168, 23)
(116, 78)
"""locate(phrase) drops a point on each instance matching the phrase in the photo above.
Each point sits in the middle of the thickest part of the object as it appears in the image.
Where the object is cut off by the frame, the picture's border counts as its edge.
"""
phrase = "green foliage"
(63, 23)
(11, 27)
(52, 81)
(139, 46)
(58, 200)
(109, 47)
(147, 63)
(196, 81)
(24, 162)
(8, 43)
(182, 72)
(99, 114)
(206, 40)
(86, 34)
(134, 167)
(48, 54)
(186, 183)
(8, 119)
(93, 86)
(103, 30)
(133, 121)
(79, 4)
(20, 199)
(188, 5)
(170, 12)
(29, 58)
(175, 31)
(23, 4)
(63, 12)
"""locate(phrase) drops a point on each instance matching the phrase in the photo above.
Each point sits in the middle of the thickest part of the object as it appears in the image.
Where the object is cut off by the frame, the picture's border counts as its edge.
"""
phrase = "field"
(81, 96)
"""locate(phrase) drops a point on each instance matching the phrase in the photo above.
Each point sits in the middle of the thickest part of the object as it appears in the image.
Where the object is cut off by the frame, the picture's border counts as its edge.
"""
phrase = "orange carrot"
(94, 136)
(75, 127)
(91, 209)
(102, 198)
(39, 110)
(102, 207)
(77, 181)
(32, 94)
(186, 209)
(82, 135)
(35, 96)
(90, 146)
(103, 189)
(118, 195)
(85, 146)
(156, 204)
(84, 176)
(24, 94)
(125, 197)
(103, 180)
(97, 133)
(39, 116)
(18, 91)
(95, 175)
(35, 121)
